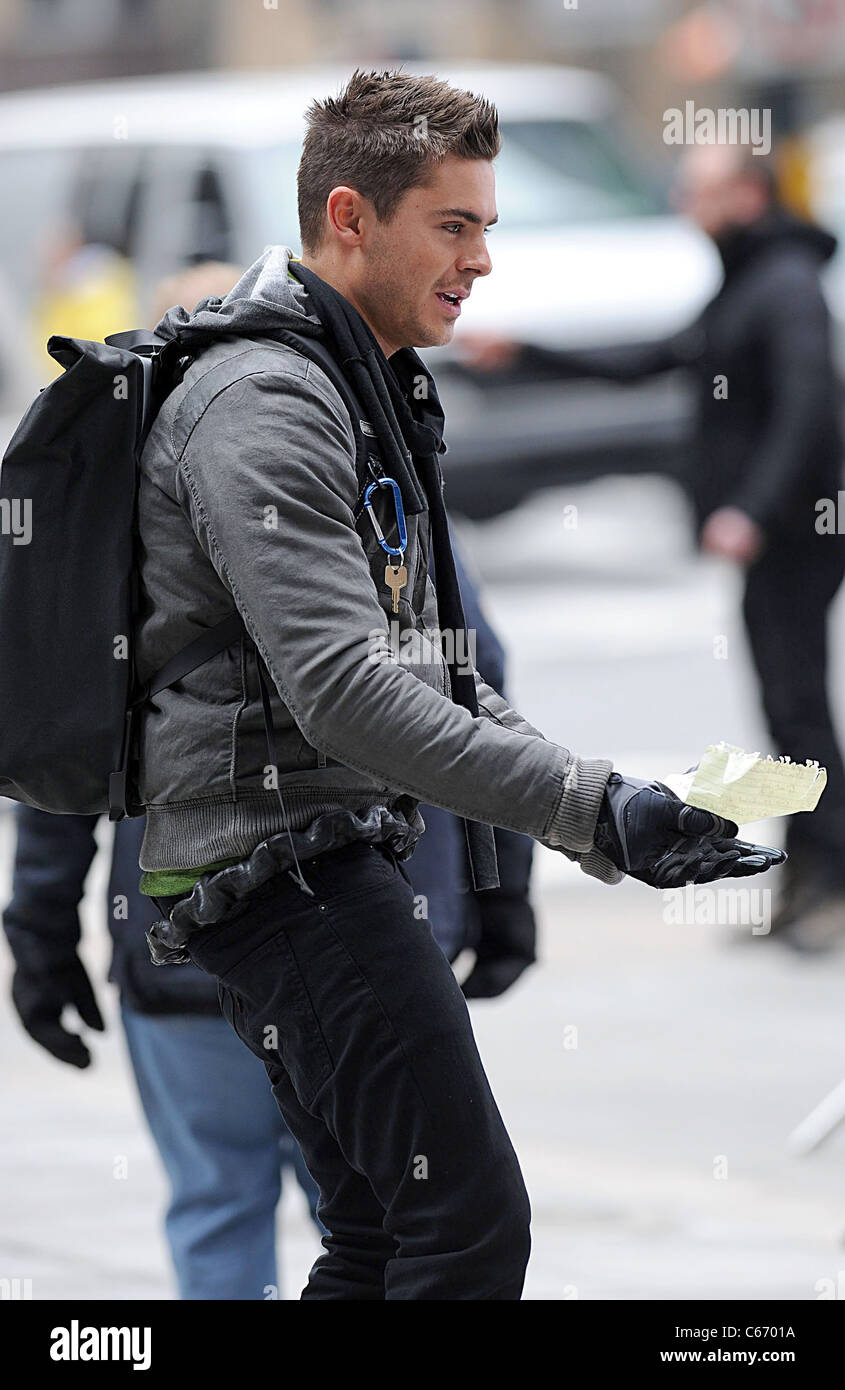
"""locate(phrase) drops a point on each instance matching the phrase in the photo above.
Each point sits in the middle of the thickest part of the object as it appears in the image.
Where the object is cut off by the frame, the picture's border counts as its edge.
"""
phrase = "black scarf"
(409, 446)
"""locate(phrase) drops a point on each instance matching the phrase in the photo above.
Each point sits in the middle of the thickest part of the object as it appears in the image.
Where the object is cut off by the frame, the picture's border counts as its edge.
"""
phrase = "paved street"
(649, 1072)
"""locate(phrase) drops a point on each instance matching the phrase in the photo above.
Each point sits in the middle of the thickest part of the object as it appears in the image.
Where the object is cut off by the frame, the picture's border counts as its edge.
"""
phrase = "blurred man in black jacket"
(765, 451)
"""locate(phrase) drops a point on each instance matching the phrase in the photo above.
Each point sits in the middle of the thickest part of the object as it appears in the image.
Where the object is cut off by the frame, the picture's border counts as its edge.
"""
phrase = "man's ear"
(343, 213)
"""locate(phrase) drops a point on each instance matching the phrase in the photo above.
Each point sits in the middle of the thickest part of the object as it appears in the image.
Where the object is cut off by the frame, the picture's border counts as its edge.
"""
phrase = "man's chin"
(426, 333)
(434, 335)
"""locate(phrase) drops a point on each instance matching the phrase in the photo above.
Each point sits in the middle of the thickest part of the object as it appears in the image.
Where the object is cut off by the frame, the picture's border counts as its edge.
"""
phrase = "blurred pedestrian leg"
(788, 594)
(220, 1145)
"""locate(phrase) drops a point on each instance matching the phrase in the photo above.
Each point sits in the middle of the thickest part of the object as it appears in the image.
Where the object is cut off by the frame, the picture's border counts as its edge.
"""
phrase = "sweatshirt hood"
(265, 300)
(775, 227)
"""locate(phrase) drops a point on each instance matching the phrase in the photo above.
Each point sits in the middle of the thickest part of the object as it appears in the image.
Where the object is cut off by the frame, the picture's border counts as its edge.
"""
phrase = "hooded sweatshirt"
(249, 499)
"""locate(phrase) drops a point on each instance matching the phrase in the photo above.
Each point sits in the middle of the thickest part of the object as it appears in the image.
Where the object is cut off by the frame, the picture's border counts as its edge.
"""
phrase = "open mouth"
(451, 299)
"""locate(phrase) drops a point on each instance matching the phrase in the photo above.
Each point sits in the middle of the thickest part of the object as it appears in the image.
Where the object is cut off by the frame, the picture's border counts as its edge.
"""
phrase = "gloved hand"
(647, 831)
(500, 924)
(39, 999)
(505, 948)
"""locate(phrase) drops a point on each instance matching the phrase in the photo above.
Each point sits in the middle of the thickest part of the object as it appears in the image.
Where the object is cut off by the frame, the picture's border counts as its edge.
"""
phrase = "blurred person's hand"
(732, 534)
(649, 833)
(487, 352)
(39, 999)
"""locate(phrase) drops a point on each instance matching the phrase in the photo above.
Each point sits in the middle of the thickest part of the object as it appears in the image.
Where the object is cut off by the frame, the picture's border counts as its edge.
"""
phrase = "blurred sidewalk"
(698, 1050)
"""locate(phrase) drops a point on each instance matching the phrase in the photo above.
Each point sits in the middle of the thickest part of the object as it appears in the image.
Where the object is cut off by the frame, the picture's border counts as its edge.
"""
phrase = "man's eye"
(456, 227)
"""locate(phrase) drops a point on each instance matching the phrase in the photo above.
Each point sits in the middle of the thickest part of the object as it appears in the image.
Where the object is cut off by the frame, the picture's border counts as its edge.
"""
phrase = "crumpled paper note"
(745, 787)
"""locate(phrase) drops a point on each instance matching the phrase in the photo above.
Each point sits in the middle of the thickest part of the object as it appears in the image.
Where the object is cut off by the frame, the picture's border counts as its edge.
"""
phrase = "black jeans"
(353, 1009)
(787, 596)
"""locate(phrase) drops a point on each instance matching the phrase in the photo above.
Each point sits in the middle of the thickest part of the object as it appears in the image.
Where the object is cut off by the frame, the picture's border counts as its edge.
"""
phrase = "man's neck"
(330, 272)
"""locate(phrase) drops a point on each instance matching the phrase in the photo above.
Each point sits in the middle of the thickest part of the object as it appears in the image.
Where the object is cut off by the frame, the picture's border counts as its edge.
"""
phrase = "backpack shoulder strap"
(215, 639)
(141, 340)
(209, 643)
(163, 362)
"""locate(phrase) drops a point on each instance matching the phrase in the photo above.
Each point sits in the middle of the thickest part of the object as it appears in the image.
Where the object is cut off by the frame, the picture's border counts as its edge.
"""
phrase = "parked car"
(168, 170)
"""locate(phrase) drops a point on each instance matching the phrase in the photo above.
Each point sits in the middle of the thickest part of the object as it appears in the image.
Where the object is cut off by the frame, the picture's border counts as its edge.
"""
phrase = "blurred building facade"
(45, 41)
(657, 50)
(49, 41)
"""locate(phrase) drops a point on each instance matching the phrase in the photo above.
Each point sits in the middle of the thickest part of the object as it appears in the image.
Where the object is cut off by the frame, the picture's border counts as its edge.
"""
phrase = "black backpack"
(68, 575)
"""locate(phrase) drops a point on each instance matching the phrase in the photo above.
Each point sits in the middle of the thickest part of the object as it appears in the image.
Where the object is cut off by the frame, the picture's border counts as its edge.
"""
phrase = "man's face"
(433, 246)
(714, 193)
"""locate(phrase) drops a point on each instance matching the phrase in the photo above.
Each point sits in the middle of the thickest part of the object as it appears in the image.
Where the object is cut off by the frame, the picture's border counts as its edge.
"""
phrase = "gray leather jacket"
(249, 498)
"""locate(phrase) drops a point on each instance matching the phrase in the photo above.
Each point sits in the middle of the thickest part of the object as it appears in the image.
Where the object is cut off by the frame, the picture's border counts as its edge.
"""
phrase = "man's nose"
(478, 259)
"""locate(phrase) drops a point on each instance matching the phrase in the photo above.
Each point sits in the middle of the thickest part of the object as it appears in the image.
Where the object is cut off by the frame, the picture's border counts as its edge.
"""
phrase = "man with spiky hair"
(294, 477)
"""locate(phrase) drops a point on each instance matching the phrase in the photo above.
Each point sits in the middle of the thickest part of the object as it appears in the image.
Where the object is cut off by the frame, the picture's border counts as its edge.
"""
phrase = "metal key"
(395, 577)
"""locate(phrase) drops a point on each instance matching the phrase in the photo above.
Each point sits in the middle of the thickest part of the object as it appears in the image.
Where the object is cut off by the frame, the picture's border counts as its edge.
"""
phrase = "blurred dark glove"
(39, 999)
(500, 924)
(505, 949)
(649, 833)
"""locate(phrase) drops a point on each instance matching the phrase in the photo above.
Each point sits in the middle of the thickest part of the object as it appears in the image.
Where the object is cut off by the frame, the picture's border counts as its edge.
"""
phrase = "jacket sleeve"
(586, 774)
(629, 362)
(794, 327)
(306, 595)
(52, 858)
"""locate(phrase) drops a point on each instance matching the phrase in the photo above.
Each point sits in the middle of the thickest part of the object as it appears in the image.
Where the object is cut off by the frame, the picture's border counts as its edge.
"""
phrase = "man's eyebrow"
(466, 214)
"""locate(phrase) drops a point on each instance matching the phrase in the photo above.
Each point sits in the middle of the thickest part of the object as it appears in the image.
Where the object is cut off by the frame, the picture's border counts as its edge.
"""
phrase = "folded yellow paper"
(746, 787)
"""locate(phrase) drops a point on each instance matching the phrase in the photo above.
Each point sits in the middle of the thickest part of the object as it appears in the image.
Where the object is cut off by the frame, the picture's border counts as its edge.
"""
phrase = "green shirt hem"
(162, 883)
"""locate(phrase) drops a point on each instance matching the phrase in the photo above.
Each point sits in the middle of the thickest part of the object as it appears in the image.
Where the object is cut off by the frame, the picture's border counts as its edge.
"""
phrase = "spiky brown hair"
(381, 136)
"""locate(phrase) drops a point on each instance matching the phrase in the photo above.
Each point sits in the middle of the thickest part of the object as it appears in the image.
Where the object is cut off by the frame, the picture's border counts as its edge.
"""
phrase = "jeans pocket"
(343, 875)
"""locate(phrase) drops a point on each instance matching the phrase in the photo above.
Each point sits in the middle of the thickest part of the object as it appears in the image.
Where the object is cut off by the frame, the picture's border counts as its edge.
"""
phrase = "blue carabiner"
(400, 516)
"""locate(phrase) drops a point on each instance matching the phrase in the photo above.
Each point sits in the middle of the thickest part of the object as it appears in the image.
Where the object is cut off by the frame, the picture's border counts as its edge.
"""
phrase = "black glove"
(647, 831)
(500, 921)
(39, 999)
(505, 949)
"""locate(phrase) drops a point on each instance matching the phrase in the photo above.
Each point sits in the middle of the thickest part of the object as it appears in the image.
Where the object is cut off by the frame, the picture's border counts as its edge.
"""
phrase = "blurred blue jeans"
(223, 1143)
